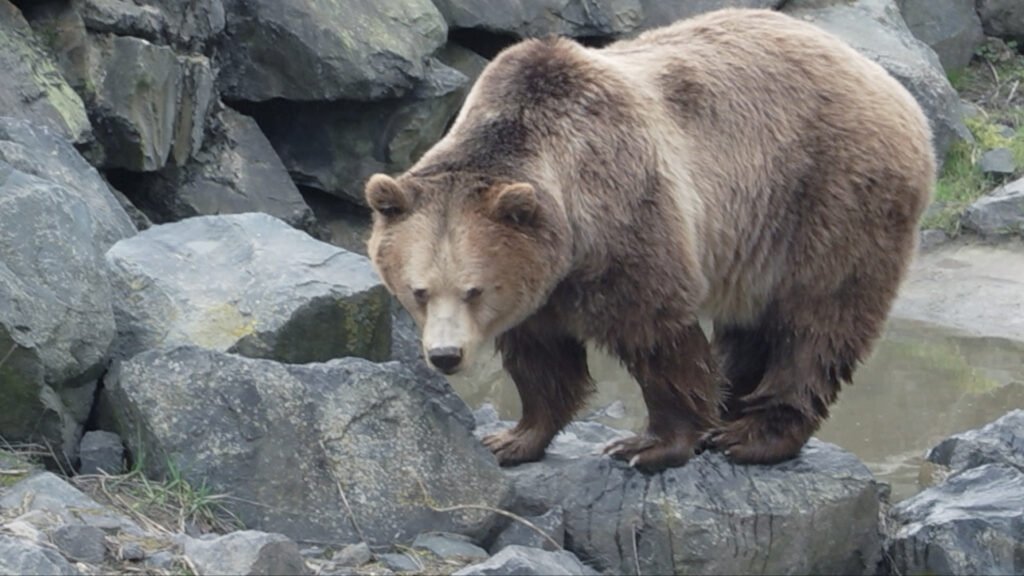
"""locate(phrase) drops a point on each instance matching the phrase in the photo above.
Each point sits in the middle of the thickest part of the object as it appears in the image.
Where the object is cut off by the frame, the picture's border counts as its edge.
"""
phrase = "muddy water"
(922, 384)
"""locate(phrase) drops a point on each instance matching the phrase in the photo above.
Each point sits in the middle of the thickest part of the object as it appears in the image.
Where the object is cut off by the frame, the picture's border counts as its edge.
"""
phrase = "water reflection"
(922, 384)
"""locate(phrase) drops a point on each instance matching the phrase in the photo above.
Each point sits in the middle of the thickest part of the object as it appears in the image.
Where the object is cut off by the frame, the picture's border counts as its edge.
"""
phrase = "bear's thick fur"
(742, 164)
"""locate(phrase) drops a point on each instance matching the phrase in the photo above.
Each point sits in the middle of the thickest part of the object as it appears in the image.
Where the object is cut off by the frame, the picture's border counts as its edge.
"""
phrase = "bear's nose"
(445, 359)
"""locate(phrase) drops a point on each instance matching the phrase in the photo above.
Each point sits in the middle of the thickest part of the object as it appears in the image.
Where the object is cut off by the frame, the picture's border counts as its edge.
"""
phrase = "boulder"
(20, 556)
(39, 151)
(310, 50)
(1002, 18)
(56, 318)
(185, 24)
(342, 451)
(950, 27)
(663, 12)
(999, 213)
(1000, 442)
(973, 523)
(534, 18)
(246, 552)
(133, 88)
(31, 85)
(250, 284)
(522, 561)
(817, 513)
(335, 146)
(236, 171)
(875, 28)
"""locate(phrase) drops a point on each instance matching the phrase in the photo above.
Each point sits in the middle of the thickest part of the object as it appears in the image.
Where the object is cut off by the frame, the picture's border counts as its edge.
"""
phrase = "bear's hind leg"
(680, 384)
(550, 372)
(742, 353)
(802, 377)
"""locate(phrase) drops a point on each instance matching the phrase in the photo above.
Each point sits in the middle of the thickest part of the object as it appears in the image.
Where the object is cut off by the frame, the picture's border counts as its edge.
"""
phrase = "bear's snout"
(446, 359)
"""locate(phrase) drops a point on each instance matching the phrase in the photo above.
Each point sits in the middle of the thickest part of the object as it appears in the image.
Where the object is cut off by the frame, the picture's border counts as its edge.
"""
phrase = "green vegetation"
(994, 83)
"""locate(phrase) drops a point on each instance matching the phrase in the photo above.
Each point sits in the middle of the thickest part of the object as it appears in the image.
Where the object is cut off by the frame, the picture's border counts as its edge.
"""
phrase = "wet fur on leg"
(550, 372)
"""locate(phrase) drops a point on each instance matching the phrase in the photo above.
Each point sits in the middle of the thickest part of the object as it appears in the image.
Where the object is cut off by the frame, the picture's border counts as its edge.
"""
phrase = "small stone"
(551, 523)
(931, 239)
(1000, 213)
(998, 162)
(354, 555)
(1005, 131)
(81, 543)
(523, 561)
(101, 452)
(162, 560)
(400, 562)
(132, 551)
(450, 546)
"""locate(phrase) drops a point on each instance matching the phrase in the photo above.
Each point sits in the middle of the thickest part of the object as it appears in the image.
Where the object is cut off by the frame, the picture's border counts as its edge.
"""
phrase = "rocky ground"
(195, 382)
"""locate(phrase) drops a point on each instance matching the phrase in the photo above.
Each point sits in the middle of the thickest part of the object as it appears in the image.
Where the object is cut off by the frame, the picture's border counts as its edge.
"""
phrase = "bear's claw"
(758, 438)
(650, 453)
(515, 446)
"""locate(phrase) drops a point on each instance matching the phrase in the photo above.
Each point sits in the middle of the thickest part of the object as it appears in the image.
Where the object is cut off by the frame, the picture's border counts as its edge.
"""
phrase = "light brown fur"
(741, 163)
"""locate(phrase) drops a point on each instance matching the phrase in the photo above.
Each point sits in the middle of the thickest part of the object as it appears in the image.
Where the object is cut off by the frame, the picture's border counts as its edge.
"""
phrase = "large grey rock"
(522, 561)
(950, 27)
(1002, 18)
(246, 552)
(36, 150)
(31, 85)
(184, 23)
(999, 213)
(45, 492)
(531, 18)
(19, 556)
(335, 146)
(323, 50)
(236, 171)
(250, 284)
(56, 318)
(132, 92)
(876, 29)
(999, 442)
(101, 452)
(299, 446)
(816, 514)
(973, 523)
(663, 12)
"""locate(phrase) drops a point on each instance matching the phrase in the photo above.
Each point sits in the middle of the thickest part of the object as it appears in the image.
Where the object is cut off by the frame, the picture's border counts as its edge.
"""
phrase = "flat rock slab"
(250, 284)
(973, 523)
(19, 556)
(971, 288)
(329, 452)
(48, 493)
(817, 513)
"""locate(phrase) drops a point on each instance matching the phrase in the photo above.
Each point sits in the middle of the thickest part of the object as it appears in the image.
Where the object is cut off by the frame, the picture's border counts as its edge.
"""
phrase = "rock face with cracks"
(709, 516)
(319, 452)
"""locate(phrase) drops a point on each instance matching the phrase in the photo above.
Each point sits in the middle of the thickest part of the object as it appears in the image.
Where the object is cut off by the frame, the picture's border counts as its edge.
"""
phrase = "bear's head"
(469, 256)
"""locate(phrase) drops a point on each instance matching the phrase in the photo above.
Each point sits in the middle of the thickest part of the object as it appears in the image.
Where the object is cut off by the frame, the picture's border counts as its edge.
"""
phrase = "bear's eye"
(390, 211)
(420, 294)
(472, 294)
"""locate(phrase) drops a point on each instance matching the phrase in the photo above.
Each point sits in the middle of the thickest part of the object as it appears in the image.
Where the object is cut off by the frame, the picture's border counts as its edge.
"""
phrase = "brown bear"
(741, 164)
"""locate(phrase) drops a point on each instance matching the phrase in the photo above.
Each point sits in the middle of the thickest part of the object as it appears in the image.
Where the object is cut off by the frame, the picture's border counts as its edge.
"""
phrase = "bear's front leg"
(550, 373)
(681, 388)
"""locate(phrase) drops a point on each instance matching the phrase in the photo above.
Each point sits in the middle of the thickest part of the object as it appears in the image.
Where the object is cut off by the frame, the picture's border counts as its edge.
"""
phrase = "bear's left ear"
(386, 196)
(516, 203)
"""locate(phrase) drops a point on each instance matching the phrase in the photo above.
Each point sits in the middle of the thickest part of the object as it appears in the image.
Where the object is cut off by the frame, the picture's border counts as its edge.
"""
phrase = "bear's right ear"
(385, 196)
(516, 203)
